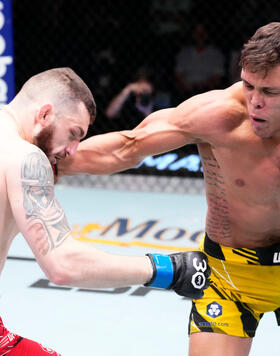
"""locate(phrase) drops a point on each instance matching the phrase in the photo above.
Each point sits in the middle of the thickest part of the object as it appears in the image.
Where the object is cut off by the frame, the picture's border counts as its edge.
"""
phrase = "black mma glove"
(184, 272)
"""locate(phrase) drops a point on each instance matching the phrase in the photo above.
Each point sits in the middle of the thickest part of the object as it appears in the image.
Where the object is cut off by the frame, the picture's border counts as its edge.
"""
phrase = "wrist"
(162, 268)
(150, 270)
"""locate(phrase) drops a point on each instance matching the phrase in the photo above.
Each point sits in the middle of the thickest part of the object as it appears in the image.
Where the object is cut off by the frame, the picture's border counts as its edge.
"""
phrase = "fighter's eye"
(269, 92)
(248, 86)
(73, 135)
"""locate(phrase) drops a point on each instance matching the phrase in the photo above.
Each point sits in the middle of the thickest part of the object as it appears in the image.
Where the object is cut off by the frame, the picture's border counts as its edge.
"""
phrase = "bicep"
(162, 131)
(37, 212)
(95, 155)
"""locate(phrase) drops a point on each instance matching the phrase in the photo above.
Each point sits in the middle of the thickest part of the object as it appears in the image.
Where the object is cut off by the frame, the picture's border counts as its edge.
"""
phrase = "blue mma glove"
(185, 272)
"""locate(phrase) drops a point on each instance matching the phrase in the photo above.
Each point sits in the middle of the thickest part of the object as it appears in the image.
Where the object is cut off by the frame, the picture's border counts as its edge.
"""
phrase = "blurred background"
(139, 56)
(136, 57)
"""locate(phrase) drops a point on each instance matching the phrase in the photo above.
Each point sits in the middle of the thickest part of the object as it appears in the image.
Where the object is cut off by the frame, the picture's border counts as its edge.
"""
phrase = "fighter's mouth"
(258, 119)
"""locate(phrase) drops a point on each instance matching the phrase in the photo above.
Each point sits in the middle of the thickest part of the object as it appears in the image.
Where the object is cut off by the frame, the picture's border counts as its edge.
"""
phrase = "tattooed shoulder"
(47, 223)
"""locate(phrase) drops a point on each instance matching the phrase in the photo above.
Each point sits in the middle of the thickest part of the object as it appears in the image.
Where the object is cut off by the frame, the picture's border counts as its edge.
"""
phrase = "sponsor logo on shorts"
(205, 324)
(11, 336)
(47, 349)
(276, 257)
(214, 310)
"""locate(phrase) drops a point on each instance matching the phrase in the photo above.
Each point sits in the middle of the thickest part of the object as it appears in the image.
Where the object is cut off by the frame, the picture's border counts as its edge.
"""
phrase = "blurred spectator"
(103, 65)
(169, 16)
(234, 69)
(101, 79)
(134, 102)
(200, 66)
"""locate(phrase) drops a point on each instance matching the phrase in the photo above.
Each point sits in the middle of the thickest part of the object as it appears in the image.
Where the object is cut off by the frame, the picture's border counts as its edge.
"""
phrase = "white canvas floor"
(132, 321)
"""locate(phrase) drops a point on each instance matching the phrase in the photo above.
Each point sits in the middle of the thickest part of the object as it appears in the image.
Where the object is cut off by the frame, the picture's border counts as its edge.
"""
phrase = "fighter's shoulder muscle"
(210, 114)
(16, 153)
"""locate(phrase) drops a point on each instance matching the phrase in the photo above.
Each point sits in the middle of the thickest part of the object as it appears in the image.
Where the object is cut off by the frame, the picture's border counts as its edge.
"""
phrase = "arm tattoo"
(47, 223)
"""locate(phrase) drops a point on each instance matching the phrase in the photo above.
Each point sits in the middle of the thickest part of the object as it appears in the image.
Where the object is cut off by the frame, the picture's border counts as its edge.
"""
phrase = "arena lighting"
(7, 85)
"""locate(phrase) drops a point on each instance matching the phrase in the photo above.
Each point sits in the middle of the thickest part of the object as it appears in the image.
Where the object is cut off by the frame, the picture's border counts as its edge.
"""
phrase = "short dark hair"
(78, 89)
(262, 52)
(67, 85)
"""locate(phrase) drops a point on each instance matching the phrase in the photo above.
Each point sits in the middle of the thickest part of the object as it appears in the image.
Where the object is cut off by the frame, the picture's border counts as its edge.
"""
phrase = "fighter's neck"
(10, 113)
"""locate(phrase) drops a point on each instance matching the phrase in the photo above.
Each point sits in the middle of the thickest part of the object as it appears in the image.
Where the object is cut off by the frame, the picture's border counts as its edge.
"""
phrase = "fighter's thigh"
(212, 344)
(31, 348)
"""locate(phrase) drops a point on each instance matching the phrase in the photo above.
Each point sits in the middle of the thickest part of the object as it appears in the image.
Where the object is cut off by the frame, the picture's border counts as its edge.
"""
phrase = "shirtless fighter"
(44, 123)
(237, 131)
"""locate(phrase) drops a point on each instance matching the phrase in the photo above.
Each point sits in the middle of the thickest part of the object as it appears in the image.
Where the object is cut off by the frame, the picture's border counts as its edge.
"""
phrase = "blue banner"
(7, 84)
(182, 162)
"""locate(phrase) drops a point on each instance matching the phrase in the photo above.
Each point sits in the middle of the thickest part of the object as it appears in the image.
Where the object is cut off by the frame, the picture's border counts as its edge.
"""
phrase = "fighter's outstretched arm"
(117, 151)
(66, 261)
(195, 120)
(43, 223)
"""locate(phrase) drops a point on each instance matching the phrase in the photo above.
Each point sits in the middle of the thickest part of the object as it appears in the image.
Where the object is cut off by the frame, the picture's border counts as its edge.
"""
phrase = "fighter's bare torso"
(8, 228)
(242, 178)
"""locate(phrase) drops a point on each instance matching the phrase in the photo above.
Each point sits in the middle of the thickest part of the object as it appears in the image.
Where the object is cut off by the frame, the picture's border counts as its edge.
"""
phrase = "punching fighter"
(237, 131)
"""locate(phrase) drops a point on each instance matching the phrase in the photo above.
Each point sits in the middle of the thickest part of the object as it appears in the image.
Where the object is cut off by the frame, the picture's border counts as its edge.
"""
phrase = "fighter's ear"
(43, 115)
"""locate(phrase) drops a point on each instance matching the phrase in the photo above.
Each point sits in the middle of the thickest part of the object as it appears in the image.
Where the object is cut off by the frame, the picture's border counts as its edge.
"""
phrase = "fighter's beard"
(44, 140)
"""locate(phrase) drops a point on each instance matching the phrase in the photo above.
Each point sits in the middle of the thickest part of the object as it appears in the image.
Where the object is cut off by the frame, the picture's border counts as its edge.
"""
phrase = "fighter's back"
(11, 146)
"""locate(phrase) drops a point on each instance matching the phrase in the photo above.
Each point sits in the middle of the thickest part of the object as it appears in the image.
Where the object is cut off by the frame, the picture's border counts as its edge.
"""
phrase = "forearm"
(118, 151)
(102, 154)
(84, 266)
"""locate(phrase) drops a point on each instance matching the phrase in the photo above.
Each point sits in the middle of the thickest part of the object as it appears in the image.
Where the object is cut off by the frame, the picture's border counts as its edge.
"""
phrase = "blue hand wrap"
(164, 271)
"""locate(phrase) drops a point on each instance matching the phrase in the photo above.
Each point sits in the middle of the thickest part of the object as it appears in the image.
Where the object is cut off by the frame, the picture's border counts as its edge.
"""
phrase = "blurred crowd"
(137, 57)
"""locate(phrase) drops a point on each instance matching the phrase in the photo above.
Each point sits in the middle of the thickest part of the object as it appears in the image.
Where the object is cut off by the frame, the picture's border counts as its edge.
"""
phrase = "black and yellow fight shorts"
(244, 284)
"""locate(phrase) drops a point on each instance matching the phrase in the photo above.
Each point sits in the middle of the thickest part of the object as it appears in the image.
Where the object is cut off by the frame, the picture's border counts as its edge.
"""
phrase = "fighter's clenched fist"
(185, 272)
